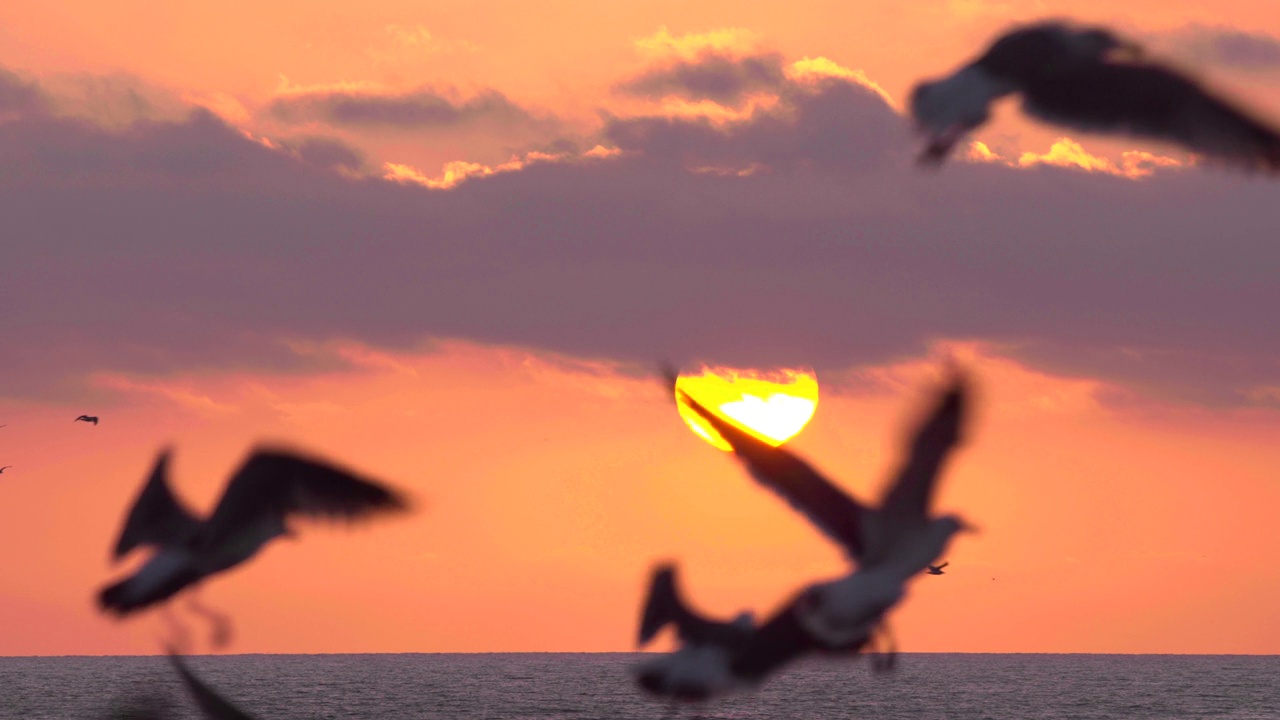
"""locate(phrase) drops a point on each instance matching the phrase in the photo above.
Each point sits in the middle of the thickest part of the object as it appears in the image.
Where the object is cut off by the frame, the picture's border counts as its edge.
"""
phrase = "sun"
(773, 405)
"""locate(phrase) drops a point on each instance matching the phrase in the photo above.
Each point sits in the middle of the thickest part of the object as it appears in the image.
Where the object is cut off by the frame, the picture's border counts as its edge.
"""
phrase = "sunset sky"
(448, 243)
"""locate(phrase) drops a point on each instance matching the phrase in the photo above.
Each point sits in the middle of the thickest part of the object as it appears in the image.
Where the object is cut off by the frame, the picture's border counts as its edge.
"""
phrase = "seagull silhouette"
(701, 667)
(937, 569)
(268, 489)
(87, 418)
(891, 544)
(1090, 79)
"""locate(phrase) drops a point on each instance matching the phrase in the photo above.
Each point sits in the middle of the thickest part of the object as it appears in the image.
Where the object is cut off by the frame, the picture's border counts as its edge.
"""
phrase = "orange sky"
(546, 485)
(546, 488)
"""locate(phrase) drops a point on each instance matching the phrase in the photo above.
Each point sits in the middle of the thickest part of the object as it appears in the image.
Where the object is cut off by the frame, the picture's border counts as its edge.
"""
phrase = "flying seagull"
(890, 543)
(87, 418)
(271, 487)
(1090, 79)
(937, 569)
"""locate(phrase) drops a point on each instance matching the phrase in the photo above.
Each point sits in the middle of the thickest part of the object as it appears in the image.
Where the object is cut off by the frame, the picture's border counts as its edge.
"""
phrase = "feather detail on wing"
(273, 485)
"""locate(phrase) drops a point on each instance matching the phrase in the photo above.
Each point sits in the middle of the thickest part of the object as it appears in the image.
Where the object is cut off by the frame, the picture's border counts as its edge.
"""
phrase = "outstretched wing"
(944, 564)
(157, 518)
(1156, 102)
(275, 484)
(834, 513)
(665, 605)
(910, 492)
(213, 705)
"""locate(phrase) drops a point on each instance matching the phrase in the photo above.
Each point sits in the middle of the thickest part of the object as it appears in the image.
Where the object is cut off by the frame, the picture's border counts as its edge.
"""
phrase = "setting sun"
(772, 405)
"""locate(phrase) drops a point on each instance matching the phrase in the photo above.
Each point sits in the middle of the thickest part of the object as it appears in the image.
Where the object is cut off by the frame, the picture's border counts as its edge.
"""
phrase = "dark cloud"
(178, 245)
(421, 109)
(325, 152)
(1229, 47)
(19, 96)
(721, 78)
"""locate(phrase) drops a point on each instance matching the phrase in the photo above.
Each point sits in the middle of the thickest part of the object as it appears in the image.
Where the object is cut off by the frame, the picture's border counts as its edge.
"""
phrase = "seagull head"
(946, 110)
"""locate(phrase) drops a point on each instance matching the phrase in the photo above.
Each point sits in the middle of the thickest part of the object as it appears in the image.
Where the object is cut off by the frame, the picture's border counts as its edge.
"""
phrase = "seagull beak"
(969, 527)
(939, 146)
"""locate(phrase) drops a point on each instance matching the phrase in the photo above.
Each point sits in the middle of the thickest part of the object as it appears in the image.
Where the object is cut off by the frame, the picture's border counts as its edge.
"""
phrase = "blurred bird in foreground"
(271, 487)
(890, 543)
(1092, 80)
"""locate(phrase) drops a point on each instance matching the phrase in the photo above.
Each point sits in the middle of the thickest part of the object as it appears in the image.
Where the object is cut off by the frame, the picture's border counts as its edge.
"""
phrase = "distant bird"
(268, 489)
(87, 418)
(937, 569)
(1089, 79)
(6, 467)
(891, 544)
(212, 705)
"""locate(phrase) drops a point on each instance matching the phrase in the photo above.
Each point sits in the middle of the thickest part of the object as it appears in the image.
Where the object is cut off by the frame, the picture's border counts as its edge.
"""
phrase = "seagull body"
(267, 489)
(1090, 79)
(937, 569)
(891, 544)
(87, 418)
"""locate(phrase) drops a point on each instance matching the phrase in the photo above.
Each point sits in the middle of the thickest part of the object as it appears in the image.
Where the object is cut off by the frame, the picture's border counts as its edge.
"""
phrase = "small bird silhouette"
(87, 418)
(6, 467)
(937, 569)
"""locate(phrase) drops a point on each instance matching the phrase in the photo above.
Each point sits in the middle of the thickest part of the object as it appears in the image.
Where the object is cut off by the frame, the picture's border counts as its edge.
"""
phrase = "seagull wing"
(1149, 100)
(911, 491)
(213, 705)
(944, 564)
(273, 485)
(157, 518)
(665, 605)
(828, 507)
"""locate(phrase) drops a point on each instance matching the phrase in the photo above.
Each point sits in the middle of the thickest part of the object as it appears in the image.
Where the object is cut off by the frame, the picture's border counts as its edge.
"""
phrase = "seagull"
(890, 543)
(87, 418)
(1090, 79)
(845, 616)
(269, 488)
(937, 569)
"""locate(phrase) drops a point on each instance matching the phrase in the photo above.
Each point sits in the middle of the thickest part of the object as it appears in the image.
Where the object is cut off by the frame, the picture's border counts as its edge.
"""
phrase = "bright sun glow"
(774, 406)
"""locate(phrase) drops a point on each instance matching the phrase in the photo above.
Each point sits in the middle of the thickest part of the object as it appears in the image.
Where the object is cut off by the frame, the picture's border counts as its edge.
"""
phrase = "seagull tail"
(663, 605)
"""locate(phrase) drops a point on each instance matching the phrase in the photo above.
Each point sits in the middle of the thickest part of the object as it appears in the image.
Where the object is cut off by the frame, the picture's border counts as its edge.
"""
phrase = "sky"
(448, 243)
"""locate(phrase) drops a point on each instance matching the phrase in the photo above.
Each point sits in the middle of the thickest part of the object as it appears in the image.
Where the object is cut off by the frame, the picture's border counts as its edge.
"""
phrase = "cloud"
(171, 246)
(1068, 153)
(425, 108)
(690, 46)
(18, 96)
(720, 78)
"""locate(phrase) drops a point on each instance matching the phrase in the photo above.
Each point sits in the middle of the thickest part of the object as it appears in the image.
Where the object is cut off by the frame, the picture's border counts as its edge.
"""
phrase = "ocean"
(547, 686)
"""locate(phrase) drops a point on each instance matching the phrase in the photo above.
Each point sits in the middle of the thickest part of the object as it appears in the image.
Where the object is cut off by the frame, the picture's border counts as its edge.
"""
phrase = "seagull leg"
(221, 624)
(179, 635)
